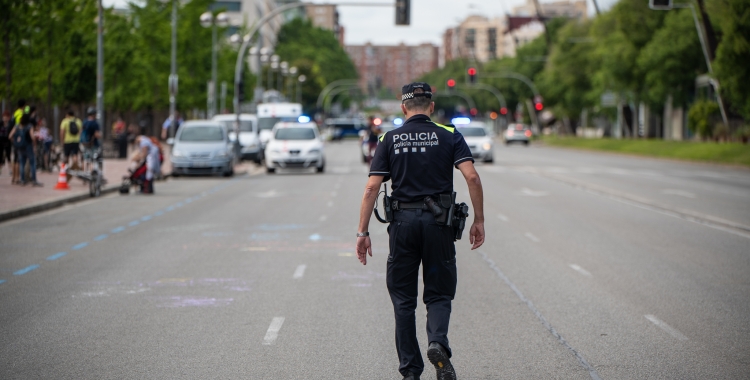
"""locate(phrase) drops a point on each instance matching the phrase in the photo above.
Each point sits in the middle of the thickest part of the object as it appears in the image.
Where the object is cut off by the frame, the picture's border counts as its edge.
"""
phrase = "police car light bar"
(398, 121)
(303, 119)
(460, 121)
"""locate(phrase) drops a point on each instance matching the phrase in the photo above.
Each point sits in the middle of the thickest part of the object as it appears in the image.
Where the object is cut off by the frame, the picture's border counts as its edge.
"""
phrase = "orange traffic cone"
(62, 179)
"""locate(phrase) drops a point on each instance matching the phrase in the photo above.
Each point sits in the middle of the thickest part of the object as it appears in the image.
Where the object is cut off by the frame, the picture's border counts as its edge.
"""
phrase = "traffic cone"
(62, 179)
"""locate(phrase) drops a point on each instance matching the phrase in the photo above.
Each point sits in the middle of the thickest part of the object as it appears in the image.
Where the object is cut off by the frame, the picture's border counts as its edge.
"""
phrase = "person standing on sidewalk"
(23, 141)
(5, 144)
(90, 135)
(22, 109)
(70, 135)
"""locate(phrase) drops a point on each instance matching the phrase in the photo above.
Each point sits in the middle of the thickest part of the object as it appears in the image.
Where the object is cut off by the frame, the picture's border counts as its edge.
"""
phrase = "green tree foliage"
(702, 116)
(317, 54)
(732, 63)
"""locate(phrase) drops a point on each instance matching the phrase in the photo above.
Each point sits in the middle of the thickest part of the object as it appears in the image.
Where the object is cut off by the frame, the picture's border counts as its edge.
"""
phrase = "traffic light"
(473, 112)
(503, 111)
(472, 75)
(241, 90)
(538, 106)
(451, 84)
(403, 12)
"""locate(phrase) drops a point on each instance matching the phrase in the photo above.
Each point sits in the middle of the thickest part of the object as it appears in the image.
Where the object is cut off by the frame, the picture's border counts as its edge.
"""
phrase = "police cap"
(408, 91)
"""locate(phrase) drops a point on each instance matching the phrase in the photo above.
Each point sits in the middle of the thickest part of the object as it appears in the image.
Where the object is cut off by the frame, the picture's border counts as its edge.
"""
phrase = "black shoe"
(411, 376)
(439, 358)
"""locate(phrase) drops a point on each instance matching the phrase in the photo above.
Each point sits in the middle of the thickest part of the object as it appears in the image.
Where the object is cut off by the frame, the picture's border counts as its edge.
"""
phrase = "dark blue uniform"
(419, 158)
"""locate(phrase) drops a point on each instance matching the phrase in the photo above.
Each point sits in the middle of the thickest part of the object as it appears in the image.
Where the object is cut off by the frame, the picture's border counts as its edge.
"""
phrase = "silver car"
(517, 133)
(202, 147)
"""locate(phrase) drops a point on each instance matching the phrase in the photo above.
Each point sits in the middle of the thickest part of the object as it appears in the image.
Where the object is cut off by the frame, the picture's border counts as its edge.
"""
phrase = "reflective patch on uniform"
(414, 150)
(381, 138)
(423, 150)
(447, 128)
(406, 150)
(398, 151)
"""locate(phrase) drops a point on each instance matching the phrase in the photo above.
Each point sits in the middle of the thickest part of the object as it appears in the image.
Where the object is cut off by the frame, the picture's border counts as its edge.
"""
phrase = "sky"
(429, 18)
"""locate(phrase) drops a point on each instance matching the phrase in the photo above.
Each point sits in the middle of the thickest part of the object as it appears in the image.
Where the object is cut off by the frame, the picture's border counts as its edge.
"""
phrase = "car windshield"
(267, 123)
(473, 131)
(202, 133)
(245, 125)
(295, 134)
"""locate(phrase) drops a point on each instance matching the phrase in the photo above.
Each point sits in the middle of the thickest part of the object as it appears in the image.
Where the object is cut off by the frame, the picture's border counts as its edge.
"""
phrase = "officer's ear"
(403, 108)
(432, 108)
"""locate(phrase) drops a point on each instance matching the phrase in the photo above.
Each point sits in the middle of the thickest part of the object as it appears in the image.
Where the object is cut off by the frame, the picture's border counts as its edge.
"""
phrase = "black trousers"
(416, 238)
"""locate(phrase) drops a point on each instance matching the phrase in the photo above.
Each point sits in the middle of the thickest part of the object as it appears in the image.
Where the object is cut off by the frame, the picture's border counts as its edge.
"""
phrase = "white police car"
(477, 137)
(295, 145)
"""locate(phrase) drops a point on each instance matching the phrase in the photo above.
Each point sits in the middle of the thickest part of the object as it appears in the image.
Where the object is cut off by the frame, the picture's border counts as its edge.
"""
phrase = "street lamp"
(290, 83)
(208, 20)
(300, 80)
(274, 67)
(284, 67)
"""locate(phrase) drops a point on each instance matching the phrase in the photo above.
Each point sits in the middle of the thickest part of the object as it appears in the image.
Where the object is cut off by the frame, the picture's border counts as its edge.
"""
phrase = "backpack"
(20, 139)
(73, 127)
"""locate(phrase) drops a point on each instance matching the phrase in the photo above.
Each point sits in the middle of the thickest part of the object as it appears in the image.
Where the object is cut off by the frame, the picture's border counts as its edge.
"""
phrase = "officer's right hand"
(476, 235)
(364, 247)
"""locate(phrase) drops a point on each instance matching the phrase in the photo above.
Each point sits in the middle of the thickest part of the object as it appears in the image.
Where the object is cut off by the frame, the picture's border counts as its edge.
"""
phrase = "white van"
(250, 147)
(271, 113)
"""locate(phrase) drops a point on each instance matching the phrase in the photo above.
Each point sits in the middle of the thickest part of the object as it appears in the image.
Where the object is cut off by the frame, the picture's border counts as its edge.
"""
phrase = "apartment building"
(390, 67)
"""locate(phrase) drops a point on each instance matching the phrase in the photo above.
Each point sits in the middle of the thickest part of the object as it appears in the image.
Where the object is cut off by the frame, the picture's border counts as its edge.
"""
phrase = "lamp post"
(284, 67)
(290, 83)
(100, 67)
(209, 21)
(300, 80)
(274, 66)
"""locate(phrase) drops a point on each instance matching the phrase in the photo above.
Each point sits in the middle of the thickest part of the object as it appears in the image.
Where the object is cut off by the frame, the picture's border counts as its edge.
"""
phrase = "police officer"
(419, 158)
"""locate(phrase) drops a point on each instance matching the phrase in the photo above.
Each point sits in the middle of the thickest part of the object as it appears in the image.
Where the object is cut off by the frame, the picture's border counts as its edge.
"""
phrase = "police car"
(478, 138)
(295, 145)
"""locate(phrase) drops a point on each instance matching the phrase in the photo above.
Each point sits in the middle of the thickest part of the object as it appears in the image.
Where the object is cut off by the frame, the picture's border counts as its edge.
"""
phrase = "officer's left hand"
(364, 248)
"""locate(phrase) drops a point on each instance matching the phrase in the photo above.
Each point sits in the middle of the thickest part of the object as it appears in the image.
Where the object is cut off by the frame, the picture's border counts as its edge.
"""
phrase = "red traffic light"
(472, 71)
(538, 106)
(503, 111)
(451, 83)
(473, 112)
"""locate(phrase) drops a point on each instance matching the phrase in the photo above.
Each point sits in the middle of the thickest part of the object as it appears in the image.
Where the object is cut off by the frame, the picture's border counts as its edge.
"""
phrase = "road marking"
(679, 193)
(299, 272)
(273, 331)
(134, 223)
(664, 326)
(580, 270)
(118, 230)
(532, 237)
(146, 218)
(101, 237)
(314, 237)
(79, 246)
(268, 194)
(532, 193)
(1, 281)
(346, 254)
(57, 256)
(25, 270)
(170, 208)
(323, 218)
(581, 360)
(502, 217)
(159, 213)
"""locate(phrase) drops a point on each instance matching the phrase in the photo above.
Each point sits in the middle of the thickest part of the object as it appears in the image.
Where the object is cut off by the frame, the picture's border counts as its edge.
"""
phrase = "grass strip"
(720, 153)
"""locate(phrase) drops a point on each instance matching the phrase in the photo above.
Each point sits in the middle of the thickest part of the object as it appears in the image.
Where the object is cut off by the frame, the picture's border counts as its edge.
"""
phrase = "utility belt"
(445, 210)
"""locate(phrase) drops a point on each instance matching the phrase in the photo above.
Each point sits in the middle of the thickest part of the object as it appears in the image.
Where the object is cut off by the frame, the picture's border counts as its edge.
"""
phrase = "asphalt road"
(595, 266)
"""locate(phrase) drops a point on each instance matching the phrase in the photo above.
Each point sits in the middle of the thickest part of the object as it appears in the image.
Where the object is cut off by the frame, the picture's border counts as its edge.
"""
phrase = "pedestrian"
(372, 138)
(70, 135)
(22, 108)
(90, 135)
(119, 131)
(168, 124)
(419, 158)
(5, 145)
(151, 152)
(22, 140)
(44, 143)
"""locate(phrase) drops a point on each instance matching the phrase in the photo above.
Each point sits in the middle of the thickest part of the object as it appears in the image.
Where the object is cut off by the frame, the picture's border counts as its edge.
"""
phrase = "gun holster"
(387, 208)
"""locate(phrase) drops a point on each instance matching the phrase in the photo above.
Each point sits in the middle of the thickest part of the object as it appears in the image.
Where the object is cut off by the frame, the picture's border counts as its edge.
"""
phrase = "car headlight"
(222, 153)
(487, 146)
(178, 153)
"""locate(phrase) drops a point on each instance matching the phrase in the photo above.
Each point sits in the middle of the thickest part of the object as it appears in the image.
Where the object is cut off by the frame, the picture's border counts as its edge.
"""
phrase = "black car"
(344, 127)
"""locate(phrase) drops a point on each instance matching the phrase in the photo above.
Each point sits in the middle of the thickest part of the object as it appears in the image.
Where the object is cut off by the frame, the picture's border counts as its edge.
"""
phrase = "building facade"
(385, 69)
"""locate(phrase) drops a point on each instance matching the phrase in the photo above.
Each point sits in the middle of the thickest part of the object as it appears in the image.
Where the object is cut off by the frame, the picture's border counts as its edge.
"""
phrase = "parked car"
(345, 127)
(517, 133)
(271, 113)
(249, 141)
(295, 145)
(202, 147)
(479, 140)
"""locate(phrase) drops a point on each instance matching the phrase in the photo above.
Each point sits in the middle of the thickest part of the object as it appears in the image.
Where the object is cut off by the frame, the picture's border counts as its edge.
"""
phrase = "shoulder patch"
(447, 128)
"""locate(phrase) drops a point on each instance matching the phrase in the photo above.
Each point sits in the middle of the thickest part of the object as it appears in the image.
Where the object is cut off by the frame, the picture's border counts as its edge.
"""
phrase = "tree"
(733, 54)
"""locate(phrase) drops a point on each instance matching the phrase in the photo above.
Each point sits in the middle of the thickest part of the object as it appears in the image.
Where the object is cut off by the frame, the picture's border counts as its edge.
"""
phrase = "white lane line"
(532, 237)
(680, 193)
(532, 193)
(273, 331)
(299, 272)
(580, 270)
(664, 326)
(502, 217)
(323, 218)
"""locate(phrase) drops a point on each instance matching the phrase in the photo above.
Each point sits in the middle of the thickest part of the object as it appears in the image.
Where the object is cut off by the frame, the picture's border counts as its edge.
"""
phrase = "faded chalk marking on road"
(330, 203)
(2, 281)
(273, 331)
(680, 193)
(79, 246)
(299, 272)
(159, 213)
(502, 217)
(580, 270)
(581, 360)
(314, 237)
(146, 218)
(57, 256)
(26, 270)
(664, 326)
(101, 237)
(117, 230)
(134, 223)
(323, 218)
(532, 237)
(532, 193)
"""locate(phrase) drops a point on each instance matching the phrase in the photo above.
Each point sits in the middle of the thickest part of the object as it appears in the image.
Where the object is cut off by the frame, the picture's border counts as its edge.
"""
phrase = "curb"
(48, 205)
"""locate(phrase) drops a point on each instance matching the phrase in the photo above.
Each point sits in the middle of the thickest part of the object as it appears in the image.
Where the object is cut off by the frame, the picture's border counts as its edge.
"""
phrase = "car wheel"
(526, 143)
(270, 170)
(322, 168)
(489, 159)
(175, 175)
(229, 173)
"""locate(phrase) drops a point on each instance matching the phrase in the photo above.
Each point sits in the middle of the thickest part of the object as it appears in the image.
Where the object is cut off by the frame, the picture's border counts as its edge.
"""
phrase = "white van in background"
(271, 113)
(250, 147)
